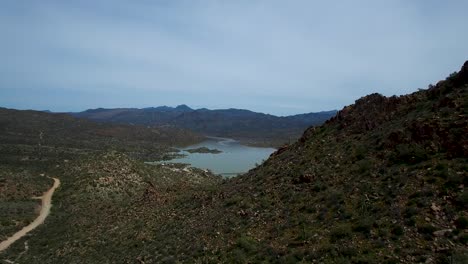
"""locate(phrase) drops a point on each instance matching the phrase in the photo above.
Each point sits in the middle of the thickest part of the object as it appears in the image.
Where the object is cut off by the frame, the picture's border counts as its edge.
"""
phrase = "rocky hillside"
(382, 182)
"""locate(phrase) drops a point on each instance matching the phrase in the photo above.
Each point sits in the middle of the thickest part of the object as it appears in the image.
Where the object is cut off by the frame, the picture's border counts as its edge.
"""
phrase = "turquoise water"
(235, 158)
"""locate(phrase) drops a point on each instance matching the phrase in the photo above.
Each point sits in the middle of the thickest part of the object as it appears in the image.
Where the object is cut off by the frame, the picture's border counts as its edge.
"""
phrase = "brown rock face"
(305, 178)
(368, 112)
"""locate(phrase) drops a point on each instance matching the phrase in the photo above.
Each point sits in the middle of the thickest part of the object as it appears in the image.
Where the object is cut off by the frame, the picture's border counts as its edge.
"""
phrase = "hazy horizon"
(264, 56)
(172, 106)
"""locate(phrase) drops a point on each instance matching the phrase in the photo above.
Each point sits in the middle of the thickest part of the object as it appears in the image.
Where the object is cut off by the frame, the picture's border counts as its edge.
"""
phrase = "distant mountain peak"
(159, 108)
(183, 107)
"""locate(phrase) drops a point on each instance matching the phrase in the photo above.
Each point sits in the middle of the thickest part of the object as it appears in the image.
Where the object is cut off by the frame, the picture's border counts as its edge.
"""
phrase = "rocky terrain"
(381, 182)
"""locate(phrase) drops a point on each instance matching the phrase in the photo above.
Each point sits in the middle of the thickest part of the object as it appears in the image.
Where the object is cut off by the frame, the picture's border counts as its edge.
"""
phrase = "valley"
(382, 181)
(237, 132)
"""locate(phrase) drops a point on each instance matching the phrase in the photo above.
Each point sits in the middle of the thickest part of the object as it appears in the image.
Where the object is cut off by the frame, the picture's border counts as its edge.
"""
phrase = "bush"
(426, 229)
(441, 167)
(238, 256)
(453, 180)
(463, 239)
(462, 199)
(340, 232)
(360, 152)
(248, 244)
(411, 211)
(398, 230)
(363, 226)
(335, 198)
(461, 223)
(363, 166)
(409, 154)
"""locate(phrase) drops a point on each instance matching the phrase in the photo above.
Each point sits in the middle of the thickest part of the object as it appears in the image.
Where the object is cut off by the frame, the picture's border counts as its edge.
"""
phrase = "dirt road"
(45, 210)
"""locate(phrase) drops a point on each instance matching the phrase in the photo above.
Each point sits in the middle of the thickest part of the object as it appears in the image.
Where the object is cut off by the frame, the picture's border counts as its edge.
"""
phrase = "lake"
(234, 159)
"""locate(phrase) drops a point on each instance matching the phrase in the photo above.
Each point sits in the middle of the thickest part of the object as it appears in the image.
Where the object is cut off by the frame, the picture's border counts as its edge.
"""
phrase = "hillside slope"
(48, 131)
(382, 182)
(35, 146)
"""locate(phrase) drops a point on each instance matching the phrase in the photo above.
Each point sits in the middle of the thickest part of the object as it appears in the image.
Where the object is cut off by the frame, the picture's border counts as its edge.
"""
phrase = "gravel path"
(45, 210)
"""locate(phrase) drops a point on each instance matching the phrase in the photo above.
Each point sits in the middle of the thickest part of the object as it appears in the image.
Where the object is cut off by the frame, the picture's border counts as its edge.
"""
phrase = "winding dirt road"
(45, 210)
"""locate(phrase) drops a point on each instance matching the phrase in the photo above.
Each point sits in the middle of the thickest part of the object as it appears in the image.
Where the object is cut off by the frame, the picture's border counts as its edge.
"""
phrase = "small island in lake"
(204, 150)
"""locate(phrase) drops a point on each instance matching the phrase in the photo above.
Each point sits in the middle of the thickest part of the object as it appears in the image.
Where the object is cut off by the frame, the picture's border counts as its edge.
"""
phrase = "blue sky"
(279, 57)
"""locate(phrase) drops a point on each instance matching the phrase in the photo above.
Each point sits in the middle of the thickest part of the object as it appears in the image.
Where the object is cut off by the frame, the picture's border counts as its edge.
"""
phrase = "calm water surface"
(234, 159)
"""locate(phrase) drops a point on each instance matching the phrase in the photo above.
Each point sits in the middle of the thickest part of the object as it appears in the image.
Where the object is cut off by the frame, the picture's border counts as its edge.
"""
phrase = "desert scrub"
(461, 222)
(339, 232)
(363, 226)
(408, 154)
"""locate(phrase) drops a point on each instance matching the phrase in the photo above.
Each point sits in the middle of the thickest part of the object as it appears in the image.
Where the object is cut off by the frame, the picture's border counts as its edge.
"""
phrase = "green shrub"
(363, 226)
(397, 230)
(340, 232)
(246, 243)
(363, 166)
(410, 221)
(409, 154)
(441, 167)
(453, 180)
(238, 256)
(463, 238)
(462, 199)
(459, 257)
(426, 229)
(348, 251)
(461, 223)
(360, 152)
(410, 212)
(335, 198)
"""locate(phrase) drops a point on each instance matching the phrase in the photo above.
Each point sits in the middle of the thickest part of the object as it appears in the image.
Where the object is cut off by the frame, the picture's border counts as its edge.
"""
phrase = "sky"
(277, 57)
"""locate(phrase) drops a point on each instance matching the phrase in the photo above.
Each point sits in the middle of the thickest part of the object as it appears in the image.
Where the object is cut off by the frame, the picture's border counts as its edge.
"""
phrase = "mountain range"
(247, 126)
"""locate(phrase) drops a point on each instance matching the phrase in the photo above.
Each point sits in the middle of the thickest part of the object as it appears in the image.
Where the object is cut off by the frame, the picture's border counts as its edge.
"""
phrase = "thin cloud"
(269, 56)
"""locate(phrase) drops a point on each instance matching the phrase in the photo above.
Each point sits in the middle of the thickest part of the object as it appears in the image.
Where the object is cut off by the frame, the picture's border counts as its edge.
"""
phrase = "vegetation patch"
(204, 150)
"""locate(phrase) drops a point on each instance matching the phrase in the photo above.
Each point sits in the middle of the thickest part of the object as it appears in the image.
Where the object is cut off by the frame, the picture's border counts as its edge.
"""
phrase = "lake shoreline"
(233, 159)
